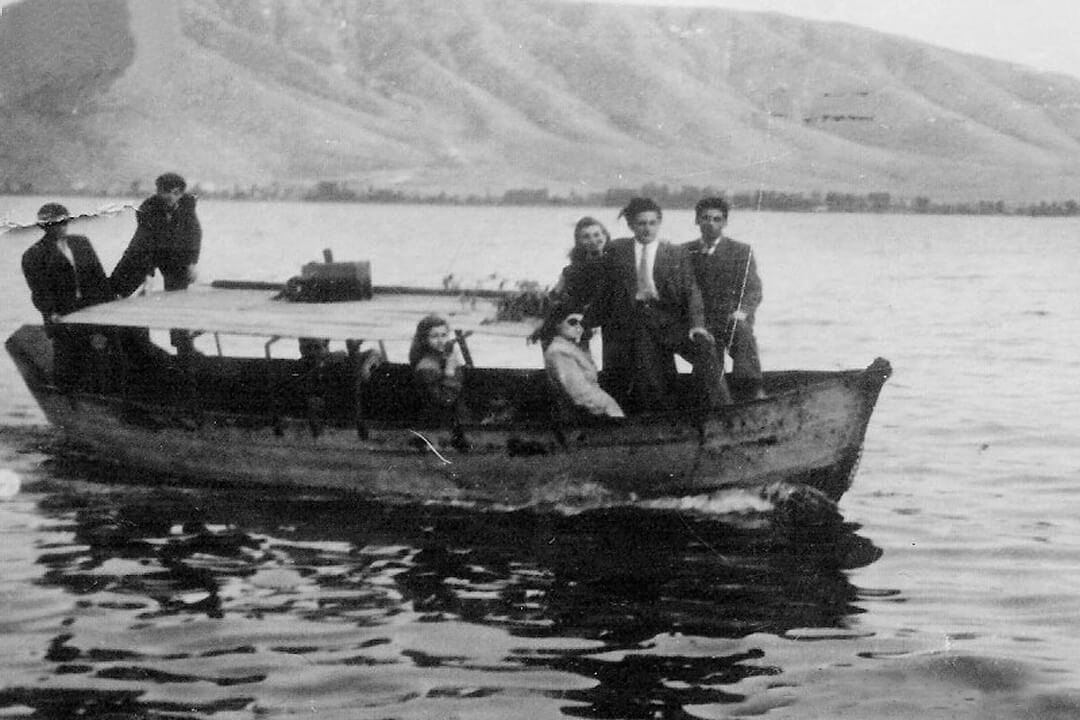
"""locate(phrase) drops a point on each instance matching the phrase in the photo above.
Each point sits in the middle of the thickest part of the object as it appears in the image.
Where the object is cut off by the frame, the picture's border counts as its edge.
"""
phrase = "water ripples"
(943, 585)
(213, 602)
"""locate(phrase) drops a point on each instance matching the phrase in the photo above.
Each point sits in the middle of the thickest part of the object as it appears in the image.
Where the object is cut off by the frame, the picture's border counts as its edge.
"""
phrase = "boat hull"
(810, 431)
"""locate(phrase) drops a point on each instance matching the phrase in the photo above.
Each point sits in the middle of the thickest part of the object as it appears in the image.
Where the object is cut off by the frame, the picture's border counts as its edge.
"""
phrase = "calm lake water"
(948, 587)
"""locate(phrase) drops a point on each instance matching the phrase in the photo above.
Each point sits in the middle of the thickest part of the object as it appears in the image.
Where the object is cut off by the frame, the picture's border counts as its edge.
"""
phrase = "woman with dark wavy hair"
(578, 282)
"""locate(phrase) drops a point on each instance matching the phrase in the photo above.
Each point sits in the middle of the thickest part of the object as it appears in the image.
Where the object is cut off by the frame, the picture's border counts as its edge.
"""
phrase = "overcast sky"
(1043, 34)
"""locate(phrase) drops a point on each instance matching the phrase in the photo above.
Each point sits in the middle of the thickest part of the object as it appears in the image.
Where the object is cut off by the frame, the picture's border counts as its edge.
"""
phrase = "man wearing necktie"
(731, 290)
(64, 275)
(650, 309)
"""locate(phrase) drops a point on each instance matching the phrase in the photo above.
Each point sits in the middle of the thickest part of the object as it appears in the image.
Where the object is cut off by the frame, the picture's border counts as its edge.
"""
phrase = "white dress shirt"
(648, 291)
(65, 250)
(708, 248)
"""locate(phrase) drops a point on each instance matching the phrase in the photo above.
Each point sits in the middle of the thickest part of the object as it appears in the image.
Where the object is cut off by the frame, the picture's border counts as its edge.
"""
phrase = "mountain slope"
(485, 95)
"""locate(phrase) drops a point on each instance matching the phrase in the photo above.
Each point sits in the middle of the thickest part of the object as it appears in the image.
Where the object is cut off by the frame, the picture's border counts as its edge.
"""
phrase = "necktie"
(645, 289)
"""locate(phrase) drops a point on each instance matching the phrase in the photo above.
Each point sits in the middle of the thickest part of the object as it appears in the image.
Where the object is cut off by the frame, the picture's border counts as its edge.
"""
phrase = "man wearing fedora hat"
(64, 275)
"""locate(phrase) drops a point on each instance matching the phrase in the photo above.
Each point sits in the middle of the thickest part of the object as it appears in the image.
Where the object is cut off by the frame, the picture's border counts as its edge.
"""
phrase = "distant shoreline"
(682, 198)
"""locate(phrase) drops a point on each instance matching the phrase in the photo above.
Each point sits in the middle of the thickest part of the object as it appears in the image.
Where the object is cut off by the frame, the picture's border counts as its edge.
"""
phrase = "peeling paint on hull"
(810, 432)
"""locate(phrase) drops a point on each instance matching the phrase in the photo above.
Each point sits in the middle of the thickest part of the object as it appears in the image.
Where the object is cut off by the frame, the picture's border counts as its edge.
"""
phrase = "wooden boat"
(354, 422)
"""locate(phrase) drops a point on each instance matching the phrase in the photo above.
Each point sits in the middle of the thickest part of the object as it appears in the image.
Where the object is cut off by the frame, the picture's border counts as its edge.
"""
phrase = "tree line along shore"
(682, 197)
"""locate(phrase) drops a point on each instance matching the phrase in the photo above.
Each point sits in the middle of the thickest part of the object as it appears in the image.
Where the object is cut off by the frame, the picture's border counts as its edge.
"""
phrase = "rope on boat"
(431, 447)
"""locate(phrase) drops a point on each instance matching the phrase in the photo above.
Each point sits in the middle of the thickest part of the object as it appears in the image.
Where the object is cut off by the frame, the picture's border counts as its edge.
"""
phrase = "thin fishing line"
(742, 292)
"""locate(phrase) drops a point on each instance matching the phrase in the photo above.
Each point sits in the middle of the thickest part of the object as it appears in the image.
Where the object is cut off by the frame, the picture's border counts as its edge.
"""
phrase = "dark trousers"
(71, 356)
(746, 365)
(182, 340)
(639, 364)
(79, 358)
(745, 377)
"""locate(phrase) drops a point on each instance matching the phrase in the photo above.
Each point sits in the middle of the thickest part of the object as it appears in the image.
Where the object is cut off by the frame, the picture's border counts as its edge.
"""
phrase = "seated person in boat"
(315, 352)
(316, 363)
(571, 370)
(64, 275)
(438, 367)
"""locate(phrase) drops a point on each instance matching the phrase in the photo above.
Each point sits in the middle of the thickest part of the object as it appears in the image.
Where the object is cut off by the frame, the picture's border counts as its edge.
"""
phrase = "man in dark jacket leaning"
(64, 275)
(731, 292)
(168, 238)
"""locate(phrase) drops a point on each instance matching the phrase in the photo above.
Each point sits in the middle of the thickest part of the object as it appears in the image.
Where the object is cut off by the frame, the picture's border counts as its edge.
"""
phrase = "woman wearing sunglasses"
(571, 369)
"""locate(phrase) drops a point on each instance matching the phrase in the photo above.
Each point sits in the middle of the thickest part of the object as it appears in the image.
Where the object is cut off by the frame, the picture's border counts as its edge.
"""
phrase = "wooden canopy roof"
(390, 315)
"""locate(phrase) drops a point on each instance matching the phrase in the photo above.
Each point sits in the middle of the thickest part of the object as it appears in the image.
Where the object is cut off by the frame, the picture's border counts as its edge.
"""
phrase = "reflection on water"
(199, 601)
(243, 607)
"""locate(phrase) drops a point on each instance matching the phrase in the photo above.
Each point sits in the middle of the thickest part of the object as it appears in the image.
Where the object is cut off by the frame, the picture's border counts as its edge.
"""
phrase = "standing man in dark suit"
(650, 308)
(64, 275)
(731, 291)
(168, 238)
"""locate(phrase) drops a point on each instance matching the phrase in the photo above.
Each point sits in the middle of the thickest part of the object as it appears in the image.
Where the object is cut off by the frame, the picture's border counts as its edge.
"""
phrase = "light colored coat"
(573, 376)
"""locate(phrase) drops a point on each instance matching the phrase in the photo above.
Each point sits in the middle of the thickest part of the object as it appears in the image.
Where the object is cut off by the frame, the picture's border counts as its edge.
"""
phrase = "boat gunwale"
(876, 373)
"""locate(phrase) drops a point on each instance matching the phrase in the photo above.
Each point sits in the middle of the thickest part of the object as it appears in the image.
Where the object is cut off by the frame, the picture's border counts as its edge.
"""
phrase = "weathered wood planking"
(808, 430)
(255, 312)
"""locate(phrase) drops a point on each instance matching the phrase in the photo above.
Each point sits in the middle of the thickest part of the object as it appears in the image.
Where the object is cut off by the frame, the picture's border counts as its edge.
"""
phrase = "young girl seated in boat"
(571, 370)
(438, 371)
(438, 368)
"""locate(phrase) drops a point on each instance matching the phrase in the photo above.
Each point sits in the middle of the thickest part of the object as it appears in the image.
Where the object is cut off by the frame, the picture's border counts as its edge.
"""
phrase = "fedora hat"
(52, 214)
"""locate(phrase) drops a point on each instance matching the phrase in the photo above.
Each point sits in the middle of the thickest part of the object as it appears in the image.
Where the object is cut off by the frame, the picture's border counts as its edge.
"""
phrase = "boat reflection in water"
(197, 601)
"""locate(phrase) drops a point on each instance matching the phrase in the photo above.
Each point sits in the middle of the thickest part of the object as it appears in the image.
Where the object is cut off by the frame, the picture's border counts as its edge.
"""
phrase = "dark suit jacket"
(52, 279)
(720, 278)
(167, 239)
(679, 300)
